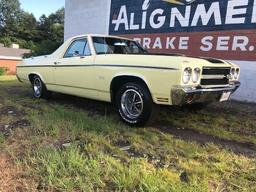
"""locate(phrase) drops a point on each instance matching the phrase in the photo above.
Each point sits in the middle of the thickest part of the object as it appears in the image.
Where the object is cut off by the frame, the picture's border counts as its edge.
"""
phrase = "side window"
(78, 48)
(133, 47)
(101, 45)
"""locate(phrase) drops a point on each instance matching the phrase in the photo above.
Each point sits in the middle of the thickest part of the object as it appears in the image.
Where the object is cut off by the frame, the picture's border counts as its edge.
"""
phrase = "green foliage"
(44, 47)
(2, 71)
(10, 13)
(6, 41)
(17, 26)
(28, 28)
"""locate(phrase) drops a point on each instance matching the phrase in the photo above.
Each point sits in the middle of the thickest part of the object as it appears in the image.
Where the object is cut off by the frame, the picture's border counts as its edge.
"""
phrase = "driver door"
(74, 72)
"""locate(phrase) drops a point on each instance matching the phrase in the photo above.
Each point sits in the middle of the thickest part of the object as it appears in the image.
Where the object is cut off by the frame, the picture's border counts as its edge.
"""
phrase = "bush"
(2, 71)
(45, 47)
(6, 41)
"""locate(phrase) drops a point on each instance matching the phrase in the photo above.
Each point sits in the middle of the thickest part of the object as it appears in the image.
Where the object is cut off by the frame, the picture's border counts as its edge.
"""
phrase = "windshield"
(108, 45)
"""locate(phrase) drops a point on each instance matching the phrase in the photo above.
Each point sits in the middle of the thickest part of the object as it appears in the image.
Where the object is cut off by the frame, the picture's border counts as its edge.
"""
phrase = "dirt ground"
(11, 177)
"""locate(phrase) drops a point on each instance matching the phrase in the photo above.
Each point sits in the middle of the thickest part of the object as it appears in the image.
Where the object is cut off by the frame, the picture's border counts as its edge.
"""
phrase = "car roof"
(100, 35)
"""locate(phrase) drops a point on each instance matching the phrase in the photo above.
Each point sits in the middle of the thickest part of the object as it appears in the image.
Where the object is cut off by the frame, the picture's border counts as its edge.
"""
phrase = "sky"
(40, 7)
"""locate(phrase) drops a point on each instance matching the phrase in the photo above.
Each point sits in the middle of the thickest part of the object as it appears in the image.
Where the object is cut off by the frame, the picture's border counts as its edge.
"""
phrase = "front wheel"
(134, 104)
(39, 88)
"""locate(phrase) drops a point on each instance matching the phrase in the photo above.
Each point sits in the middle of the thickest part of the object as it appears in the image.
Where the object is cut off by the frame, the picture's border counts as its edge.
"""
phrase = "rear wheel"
(39, 88)
(134, 104)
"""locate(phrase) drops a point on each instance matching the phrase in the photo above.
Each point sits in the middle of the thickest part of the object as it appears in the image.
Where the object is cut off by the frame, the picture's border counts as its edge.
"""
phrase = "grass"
(72, 147)
(7, 78)
(234, 123)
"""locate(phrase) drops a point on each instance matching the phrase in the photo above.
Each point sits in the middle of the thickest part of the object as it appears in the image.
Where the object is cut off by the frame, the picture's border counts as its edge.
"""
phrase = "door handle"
(56, 63)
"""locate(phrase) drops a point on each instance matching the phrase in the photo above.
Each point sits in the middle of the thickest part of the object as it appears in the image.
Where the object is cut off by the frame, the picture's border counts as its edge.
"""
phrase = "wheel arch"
(122, 79)
(32, 75)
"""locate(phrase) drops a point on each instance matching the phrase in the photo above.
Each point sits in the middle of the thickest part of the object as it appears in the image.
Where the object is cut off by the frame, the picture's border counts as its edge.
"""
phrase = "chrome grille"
(215, 76)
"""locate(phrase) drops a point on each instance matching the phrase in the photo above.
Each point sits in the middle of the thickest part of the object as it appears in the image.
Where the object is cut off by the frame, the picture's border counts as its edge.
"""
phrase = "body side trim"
(119, 66)
(78, 87)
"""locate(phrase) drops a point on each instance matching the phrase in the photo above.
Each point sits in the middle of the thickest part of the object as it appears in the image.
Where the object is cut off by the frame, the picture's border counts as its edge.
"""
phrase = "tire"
(39, 89)
(134, 104)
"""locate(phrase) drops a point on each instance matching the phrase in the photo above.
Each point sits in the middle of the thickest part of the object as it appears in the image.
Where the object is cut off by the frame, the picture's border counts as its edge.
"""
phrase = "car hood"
(165, 61)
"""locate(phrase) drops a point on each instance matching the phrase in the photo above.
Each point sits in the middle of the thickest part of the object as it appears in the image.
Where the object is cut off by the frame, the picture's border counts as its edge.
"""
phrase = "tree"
(58, 16)
(18, 26)
(28, 27)
(51, 30)
(52, 27)
(10, 13)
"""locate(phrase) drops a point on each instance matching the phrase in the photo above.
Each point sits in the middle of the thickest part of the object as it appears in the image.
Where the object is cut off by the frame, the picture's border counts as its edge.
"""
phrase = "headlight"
(196, 75)
(187, 75)
(236, 75)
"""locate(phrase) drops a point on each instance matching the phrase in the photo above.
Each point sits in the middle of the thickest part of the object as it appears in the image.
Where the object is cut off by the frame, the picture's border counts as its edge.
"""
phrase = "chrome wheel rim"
(37, 87)
(132, 103)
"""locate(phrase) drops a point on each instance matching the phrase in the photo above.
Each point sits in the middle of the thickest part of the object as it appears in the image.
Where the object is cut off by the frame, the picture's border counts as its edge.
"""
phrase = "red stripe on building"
(231, 45)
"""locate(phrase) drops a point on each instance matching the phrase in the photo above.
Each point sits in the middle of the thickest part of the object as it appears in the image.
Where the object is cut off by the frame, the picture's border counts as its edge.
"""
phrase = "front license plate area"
(225, 96)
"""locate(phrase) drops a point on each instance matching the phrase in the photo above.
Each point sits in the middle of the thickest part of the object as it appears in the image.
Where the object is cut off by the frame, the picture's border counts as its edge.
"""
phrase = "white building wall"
(247, 91)
(86, 16)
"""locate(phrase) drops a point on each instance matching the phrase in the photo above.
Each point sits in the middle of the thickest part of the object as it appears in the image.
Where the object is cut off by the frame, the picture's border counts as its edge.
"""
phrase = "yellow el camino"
(119, 70)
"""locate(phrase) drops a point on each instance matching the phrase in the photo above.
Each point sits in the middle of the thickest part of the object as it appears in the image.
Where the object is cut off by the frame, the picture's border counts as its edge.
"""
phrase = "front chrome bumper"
(189, 95)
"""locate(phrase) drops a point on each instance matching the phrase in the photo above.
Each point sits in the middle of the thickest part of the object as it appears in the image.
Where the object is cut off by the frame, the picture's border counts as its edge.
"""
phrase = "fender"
(36, 73)
(137, 75)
